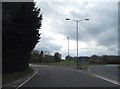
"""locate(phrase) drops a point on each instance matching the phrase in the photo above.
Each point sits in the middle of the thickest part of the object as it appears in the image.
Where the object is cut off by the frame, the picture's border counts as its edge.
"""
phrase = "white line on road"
(89, 69)
(28, 79)
(109, 80)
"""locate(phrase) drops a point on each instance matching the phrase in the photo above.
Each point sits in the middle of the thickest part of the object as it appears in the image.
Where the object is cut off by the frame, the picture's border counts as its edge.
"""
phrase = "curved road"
(49, 76)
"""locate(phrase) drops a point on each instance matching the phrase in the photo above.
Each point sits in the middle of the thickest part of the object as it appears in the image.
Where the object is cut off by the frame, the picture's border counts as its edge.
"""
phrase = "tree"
(48, 58)
(40, 57)
(57, 56)
(34, 56)
(93, 58)
(68, 57)
(21, 22)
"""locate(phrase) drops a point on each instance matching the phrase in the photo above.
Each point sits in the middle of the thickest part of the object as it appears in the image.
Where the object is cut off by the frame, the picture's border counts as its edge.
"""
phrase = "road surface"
(110, 71)
(49, 76)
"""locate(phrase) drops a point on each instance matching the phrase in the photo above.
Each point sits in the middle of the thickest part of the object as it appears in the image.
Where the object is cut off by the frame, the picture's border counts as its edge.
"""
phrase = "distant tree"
(34, 56)
(57, 56)
(68, 57)
(40, 57)
(109, 59)
(21, 22)
(105, 59)
(48, 58)
(41, 53)
(93, 58)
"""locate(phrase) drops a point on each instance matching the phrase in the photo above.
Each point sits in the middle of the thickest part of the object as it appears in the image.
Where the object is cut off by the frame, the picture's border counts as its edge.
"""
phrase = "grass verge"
(8, 78)
(70, 64)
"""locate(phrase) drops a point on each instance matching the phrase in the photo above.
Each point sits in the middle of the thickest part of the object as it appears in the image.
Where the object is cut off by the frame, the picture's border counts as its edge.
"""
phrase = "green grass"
(7, 78)
(61, 64)
(65, 63)
(69, 64)
(73, 63)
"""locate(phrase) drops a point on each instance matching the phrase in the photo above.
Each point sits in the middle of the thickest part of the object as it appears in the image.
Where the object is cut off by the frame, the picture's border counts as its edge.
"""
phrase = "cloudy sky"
(97, 36)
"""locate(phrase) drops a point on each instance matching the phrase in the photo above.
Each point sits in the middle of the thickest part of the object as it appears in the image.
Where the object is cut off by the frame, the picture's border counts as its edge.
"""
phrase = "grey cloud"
(45, 44)
(103, 18)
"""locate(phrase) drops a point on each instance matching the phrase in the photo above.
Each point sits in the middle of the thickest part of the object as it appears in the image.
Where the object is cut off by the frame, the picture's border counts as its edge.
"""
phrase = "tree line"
(105, 59)
(44, 57)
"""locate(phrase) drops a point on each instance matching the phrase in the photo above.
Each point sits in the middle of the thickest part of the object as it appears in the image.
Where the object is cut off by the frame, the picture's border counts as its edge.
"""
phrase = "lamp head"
(87, 19)
(67, 19)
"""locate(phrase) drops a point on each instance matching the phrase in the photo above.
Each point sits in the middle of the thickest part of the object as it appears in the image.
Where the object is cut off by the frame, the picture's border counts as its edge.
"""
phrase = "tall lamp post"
(68, 45)
(77, 21)
(68, 50)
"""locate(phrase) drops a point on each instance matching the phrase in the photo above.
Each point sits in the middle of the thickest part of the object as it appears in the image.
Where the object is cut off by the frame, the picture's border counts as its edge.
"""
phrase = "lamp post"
(77, 21)
(68, 45)
(68, 50)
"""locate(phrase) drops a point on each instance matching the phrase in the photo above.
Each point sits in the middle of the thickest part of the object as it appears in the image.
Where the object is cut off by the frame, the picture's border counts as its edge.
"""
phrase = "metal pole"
(77, 42)
(76, 35)
(68, 46)
(68, 51)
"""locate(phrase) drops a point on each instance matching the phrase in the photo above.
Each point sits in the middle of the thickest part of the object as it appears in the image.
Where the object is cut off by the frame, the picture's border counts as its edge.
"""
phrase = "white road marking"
(89, 69)
(109, 80)
(28, 79)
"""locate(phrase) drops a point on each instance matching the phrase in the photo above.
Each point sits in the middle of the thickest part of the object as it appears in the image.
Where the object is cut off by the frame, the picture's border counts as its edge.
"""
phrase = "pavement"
(50, 76)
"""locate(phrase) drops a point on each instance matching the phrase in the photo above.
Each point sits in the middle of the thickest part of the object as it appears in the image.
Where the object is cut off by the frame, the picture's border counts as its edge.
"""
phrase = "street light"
(68, 45)
(67, 19)
(68, 50)
(77, 33)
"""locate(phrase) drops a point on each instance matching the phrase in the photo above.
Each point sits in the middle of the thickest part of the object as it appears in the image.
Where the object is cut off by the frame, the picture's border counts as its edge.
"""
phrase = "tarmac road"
(110, 71)
(50, 76)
